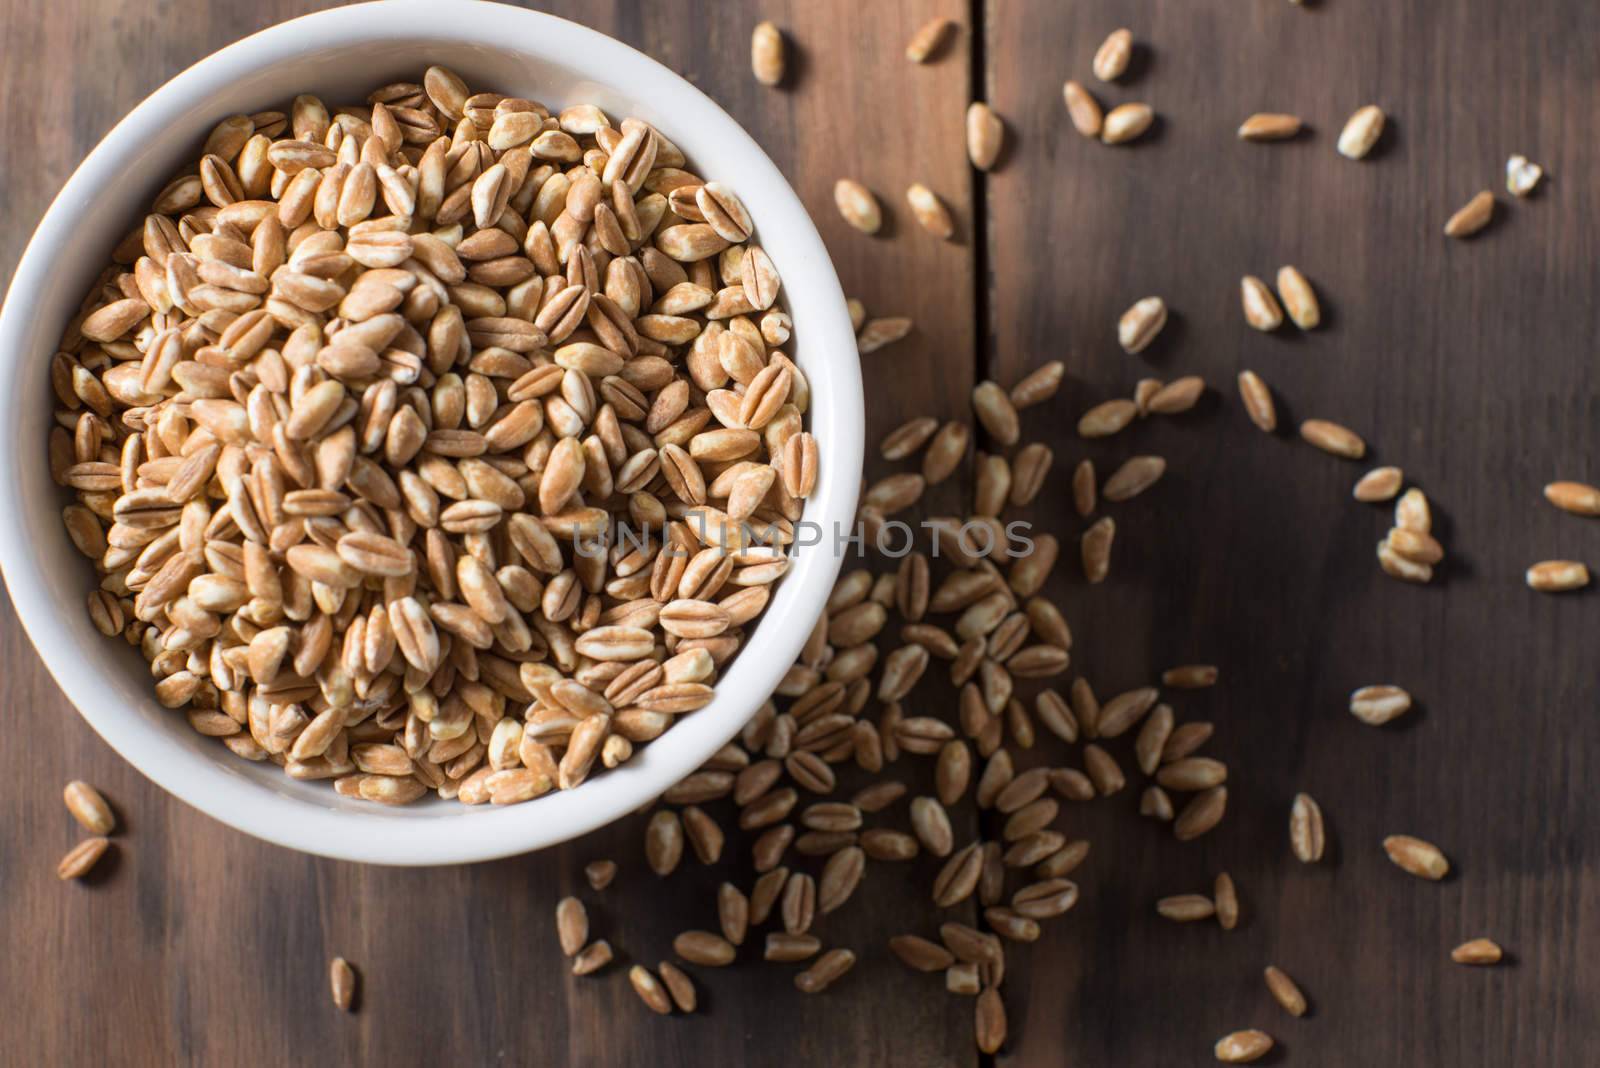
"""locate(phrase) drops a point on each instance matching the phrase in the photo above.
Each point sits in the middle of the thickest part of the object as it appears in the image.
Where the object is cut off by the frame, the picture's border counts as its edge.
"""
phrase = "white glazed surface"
(341, 55)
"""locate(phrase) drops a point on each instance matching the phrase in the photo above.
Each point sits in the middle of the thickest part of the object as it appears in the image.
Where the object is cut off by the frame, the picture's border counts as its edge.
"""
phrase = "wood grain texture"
(197, 945)
(1466, 363)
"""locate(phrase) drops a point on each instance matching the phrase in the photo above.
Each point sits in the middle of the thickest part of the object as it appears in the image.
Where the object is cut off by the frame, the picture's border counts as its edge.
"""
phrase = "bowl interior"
(341, 55)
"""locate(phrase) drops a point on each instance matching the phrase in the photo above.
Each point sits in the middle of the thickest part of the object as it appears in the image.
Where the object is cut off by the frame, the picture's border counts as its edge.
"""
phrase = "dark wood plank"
(1469, 365)
(200, 946)
(1464, 363)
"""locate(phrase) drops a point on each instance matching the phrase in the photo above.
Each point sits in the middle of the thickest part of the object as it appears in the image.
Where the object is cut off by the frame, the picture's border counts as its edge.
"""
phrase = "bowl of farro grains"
(434, 426)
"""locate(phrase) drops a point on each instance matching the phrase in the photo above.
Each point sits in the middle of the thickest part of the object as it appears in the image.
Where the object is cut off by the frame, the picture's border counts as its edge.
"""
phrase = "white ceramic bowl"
(341, 55)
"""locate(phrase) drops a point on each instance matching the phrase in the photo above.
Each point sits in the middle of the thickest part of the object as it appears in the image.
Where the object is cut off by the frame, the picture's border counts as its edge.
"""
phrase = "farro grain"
(1258, 401)
(1186, 908)
(421, 423)
(766, 54)
(1361, 132)
(1083, 488)
(1125, 123)
(679, 986)
(858, 206)
(342, 983)
(1285, 991)
(1203, 812)
(1136, 475)
(1243, 1047)
(782, 946)
(877, 333)
(1307, 837)
(1176, 396)
(1333, 438)
(1261, 309)
(1299, 299)
(1226, 898)
(1576, 497)
(1112, 57)
(1478, 951)
(1379, 484)
(1269, 126)
(920, 954)
(825, 972)
(1416, 857)
(929, 211)
(926, 42)
(89, 808)
(600, 873)
(990, 1021)
(704, 948)
(1155, 803)
(1522, 175)
(1141, 323)
(650, 990)
(985, 132)
(1084, 110)
(1558, 576)
(592, 958)
(82, 858)
(1472, 217)
(572, 925)
(1039, 386)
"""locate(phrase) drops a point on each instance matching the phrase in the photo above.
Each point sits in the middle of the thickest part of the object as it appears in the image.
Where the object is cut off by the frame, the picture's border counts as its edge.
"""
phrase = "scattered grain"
(1112, 57)
(1083, 109)
(1243, 1047)
(82, 858)
(1472, 216)
(1269, 126)
(1478, 951)
(1307, 838)
(927, 41)
(89, 808)
(1361, 132)
(1558, 576)
(1417, 857)
(1522, 175)
(1125, 123)
(1261, 308)
(766, 54)
(342, 983)
(1285, 991)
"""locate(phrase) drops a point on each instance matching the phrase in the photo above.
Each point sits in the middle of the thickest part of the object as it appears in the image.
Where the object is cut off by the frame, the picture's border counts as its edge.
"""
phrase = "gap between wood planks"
(978, 20)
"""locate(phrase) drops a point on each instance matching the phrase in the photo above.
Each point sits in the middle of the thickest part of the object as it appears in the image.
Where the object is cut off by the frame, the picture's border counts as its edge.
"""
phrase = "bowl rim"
(385, 836)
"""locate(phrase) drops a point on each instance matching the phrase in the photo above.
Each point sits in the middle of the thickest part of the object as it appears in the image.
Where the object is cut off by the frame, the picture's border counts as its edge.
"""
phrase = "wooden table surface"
(1467, 363)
